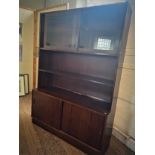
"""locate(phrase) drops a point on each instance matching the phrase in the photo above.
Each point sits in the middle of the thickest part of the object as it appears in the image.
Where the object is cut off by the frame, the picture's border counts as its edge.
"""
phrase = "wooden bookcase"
(78, 61)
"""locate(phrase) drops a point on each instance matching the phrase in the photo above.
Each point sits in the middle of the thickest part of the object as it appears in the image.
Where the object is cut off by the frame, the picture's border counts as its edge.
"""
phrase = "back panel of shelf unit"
(95, 66)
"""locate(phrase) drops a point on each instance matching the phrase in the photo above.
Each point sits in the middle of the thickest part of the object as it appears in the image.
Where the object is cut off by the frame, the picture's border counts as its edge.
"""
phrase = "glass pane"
(101, 30)
(61, 30)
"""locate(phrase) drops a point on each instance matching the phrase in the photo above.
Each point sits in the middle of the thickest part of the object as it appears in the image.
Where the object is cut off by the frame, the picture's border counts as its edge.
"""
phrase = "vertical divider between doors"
(61, 113)
(78, 30)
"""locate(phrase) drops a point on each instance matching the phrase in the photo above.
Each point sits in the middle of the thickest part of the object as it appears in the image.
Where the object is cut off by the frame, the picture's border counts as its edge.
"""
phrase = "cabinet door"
(100, 28)
(83, 124)
(46, 108)
(61, 30)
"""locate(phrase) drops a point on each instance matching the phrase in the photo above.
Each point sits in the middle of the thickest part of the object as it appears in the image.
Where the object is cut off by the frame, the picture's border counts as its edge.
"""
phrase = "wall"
(33, 4)
(26, 65)
(124, 123)
(46, 3)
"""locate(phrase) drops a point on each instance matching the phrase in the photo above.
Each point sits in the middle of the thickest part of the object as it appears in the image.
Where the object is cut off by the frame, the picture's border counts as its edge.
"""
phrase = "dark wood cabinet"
(82, 123)
(80, 50)
(47, 109)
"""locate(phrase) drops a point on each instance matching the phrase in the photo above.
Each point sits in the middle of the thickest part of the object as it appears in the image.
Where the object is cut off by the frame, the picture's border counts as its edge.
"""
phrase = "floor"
(37, 141)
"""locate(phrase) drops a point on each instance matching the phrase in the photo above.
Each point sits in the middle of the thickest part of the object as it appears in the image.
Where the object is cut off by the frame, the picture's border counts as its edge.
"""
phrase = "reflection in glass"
(61, 30)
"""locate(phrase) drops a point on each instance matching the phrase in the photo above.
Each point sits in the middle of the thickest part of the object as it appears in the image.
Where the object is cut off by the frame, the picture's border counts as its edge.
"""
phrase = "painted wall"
(26, 65)
(33, 4)
(125, 112)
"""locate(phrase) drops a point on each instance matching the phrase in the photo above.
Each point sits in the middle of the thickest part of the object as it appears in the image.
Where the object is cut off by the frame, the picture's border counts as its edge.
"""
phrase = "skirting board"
(125, 139)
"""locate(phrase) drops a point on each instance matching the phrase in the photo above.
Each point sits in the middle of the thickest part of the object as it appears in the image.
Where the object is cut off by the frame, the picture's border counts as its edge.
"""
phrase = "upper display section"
(75, 30)
(61, 30)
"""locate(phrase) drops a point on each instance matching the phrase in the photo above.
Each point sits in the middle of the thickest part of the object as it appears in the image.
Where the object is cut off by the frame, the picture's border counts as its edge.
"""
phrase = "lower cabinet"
(79, 125)
(82, 123)
(46, 108)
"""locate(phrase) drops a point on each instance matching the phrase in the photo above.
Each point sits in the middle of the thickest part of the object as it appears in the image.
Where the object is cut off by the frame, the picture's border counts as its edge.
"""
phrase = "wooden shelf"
(96, 80)
(100, 104)
(81, 51)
